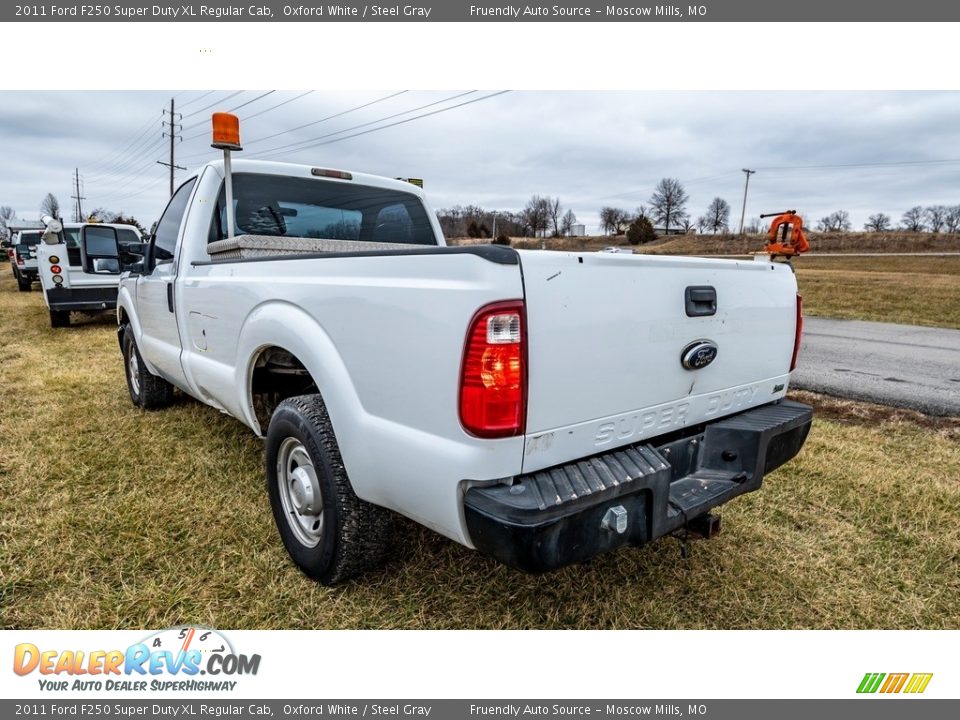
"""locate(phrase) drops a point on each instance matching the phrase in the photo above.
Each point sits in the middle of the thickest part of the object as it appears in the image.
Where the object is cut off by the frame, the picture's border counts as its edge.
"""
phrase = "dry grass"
(911, 290)
(915, 290)
(112, 517)
(857, 242)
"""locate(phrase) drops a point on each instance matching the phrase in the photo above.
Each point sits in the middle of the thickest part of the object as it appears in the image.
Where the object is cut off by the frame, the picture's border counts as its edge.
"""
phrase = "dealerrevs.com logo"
(178, 659)
(893, 683)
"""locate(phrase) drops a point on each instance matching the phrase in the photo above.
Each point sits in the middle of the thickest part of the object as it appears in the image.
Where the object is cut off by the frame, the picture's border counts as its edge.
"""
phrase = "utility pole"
(175, 129)
(746, 185)
(78, 205)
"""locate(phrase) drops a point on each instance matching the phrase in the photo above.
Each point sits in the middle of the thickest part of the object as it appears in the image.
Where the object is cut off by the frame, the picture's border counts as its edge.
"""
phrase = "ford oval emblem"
(698, 354)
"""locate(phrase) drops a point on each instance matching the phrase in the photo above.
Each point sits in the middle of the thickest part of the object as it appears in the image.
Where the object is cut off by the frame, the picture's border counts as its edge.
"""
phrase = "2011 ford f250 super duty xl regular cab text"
(542, 407)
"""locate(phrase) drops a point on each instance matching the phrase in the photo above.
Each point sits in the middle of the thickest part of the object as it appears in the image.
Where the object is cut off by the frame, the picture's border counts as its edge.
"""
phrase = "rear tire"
(59, 318)
(146, 389)
(23, 284)
(329, 533)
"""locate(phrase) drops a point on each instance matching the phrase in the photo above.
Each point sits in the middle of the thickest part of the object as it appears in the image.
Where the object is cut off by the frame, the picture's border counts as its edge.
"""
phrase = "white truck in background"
(542, 407)
(74, 282)
(23, 258)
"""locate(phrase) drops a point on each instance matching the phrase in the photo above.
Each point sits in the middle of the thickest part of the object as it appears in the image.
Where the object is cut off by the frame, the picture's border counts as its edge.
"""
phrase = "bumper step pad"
(632, 495)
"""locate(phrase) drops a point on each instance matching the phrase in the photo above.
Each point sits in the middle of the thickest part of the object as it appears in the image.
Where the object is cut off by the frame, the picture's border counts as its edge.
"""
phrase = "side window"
(165, 238)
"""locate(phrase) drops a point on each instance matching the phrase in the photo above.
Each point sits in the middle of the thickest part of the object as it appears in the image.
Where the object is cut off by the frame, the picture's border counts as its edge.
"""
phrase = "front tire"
(329, 533)
(146, 389)
(59, 318)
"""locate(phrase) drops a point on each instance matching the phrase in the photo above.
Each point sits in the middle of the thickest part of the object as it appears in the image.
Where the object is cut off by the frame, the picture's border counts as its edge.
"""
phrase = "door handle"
(170, 296)
(700, 300)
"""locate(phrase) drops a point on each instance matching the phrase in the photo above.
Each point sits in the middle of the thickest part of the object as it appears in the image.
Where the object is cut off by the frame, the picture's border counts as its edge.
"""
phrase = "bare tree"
(912, 219)
(936, 216)
(878, 222)
(642, 212)
(6, 213)
(718, 215)
(50, 205)
(952, 221)
(703, 223)
(613, 220)
(752, 227)
(567, 222)
(841, 221)
(668, 203)
(838, 221)
(553, 210)
(537, 214)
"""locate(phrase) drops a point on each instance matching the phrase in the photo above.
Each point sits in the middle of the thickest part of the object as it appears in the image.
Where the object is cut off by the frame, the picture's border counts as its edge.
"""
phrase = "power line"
(145, 188)
(248, 102)
(362, 125)
(207, 107)
(121, 170)
(199, 97)
(314, 122)
(328, 117)
(845, 166)
(206, 132)
(243, 104)
(274, 107)
(111, 160)
(400, 122)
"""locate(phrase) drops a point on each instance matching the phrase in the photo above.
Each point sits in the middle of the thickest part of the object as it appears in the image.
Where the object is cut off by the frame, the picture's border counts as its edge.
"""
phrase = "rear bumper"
(86, 299)
(633, 495)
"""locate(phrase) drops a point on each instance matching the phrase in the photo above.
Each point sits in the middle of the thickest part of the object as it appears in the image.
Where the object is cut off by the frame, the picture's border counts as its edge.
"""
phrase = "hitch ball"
(615, 519)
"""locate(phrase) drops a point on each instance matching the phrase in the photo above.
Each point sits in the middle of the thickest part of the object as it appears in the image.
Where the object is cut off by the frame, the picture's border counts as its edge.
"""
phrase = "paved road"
(900, 365)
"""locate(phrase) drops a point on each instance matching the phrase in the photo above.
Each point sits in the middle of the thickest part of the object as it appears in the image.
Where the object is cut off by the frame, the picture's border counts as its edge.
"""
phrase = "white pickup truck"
(71, 281)
(542, 407)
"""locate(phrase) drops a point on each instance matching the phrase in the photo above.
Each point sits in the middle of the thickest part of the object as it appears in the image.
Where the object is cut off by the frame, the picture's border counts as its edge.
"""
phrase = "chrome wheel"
(299, 491)
(133, 369)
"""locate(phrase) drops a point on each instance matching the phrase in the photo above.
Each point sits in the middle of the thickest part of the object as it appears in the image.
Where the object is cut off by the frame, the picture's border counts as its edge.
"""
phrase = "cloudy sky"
(589, 148)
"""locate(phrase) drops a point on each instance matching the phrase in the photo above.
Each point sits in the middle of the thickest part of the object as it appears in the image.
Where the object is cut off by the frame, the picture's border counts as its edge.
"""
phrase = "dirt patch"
(855, 412)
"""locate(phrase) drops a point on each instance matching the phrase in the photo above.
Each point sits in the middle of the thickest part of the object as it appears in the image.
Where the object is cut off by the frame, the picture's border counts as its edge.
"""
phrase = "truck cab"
(71, 280)
(23, 258)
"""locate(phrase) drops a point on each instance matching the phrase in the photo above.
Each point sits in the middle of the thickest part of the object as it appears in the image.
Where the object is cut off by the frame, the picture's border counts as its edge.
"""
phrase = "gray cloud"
(589, 148)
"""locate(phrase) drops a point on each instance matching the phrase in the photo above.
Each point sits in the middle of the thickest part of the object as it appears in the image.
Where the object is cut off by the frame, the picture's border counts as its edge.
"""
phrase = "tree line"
(50, 205)
(543, 215)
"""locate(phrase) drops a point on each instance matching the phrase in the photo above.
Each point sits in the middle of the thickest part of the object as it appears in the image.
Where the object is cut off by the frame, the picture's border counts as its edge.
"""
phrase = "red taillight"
(493, 381)
(19, 259)
(798, 335)
(56, 269)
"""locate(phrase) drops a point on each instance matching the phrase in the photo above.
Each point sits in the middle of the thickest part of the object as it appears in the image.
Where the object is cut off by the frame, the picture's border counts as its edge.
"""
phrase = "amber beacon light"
(226, 131)
(226, 137)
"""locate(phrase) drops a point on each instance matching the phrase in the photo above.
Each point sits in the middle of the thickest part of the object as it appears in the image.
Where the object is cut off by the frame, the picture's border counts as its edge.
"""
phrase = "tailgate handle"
(700, 300)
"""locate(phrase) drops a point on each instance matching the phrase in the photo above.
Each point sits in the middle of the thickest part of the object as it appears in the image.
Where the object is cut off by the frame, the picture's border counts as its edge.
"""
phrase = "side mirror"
(52, 230)
(100, 250)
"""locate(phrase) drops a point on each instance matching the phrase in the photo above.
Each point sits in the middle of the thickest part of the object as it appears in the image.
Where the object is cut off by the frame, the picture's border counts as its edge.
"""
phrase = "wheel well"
(121, 317)
(277, 375)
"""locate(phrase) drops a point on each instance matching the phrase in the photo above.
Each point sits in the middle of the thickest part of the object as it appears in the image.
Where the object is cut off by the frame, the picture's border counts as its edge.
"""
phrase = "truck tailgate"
(606, 336)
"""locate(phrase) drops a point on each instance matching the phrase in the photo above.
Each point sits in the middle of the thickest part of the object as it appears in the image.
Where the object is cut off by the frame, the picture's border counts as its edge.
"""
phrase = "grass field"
(726, 244)
(915, 290)
(113, 517)
(912, 290)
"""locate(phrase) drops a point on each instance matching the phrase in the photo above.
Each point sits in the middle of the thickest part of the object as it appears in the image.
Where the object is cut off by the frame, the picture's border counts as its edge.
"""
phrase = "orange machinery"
(786, 236)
